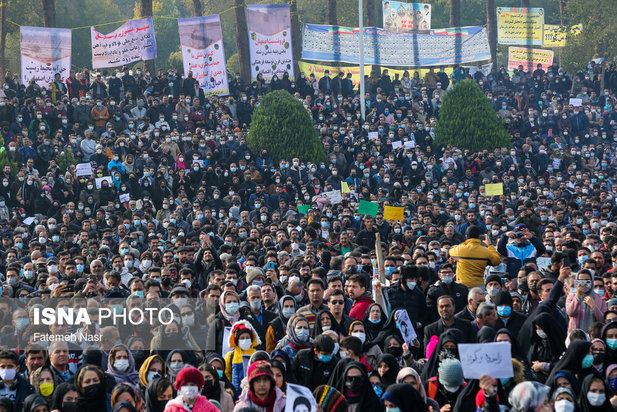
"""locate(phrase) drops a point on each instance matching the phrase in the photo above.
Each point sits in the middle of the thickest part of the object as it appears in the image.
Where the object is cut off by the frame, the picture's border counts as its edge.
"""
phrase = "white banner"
(131, 42)
(270, 40)
(44, 52)
(201, 41)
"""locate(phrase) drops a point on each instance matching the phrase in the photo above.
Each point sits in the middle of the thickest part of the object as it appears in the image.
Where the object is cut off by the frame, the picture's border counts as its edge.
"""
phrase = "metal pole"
(361, 49)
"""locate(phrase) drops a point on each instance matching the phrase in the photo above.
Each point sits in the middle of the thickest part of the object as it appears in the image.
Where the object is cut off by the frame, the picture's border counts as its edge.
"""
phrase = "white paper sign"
(83, 169)
(201, 42)
(125, 197)
(410, 144)
(131, 42)
(543, 262)
(334, 196)
(98, 181)
(226, 333)
(396, 145)
(28, 220)
(404, 324)
(492, 359)
(299, 399)
(373, 135)
(576, 102)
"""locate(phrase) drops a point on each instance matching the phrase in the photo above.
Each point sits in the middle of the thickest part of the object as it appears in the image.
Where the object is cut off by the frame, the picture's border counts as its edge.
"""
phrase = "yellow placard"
(557, 36)
(393, 213)
(529, 58)
(493, 189)
(520, 26)
(345, 188)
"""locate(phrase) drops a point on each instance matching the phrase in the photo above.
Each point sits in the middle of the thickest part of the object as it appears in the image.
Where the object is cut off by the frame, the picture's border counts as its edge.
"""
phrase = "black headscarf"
(549, 349)
(368, 399)
(583, 402)
(152, 402)
(431, 367)
(212, 390)
(406, 397)
(611, 354)
(486, 334)
(32, 401)
(318, 330)
(58, 396)
(576, 385)
(572, 361)
(515, 349)
(125, 404)
(93, 399)
(389, 328)
(373, 329)
(389, 378)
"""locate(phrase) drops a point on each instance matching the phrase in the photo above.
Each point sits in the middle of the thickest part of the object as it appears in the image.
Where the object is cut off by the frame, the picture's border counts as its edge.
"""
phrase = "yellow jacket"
(472, 258)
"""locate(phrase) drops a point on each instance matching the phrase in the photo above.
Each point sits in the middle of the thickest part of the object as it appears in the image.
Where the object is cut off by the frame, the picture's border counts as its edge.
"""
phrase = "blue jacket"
(517, 254)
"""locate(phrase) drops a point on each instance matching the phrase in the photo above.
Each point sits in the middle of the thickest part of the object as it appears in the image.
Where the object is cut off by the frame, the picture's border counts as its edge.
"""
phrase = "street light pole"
(361, 50)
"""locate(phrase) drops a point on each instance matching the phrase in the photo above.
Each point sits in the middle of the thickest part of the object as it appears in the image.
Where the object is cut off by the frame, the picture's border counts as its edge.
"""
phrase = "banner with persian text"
(520, 26)
(433, 48)
(557, 36)
(201, 41)
(529, 58)
(44, 52)
(131, 42)
(270, 48)
(404, 17)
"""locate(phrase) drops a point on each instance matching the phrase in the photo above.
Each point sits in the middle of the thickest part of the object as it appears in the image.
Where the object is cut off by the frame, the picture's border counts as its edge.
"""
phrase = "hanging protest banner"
(557, 36)
(403, 17)
(520, 26)
(432, 48)
(44, 52)
(201, 42)
(270, 48)
(529, 58)
(131, 42)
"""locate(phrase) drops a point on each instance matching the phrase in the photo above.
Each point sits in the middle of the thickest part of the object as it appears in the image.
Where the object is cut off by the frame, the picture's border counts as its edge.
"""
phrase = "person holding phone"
(524, 248)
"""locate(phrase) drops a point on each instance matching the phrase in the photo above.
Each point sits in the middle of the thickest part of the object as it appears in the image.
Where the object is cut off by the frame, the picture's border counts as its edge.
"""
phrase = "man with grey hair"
(259, 317)
(59, 359)
(474, 298)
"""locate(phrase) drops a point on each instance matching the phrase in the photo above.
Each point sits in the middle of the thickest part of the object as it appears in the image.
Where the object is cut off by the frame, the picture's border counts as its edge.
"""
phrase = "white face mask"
(189, 392)
(121, 365)
(596, 399)
(245, 344)
(360, 335)
(564, 405)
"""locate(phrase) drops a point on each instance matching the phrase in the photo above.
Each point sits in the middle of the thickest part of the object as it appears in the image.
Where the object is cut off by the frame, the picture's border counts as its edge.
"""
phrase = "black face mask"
(598, 358)
(139, 355)
(395, 351)
(353, 383)
(209, 387)
(93, 390)
(166, 282)
(69, 407)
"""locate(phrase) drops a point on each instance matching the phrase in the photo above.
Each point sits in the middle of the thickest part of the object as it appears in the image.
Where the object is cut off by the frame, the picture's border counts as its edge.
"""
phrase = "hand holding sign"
(494, 359)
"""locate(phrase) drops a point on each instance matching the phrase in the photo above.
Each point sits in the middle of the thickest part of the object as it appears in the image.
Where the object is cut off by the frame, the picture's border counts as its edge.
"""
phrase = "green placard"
(368, 208)
(304, 209)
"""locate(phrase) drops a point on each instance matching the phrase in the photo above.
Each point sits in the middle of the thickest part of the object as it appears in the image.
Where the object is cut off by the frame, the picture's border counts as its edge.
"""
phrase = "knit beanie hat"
(492, 278)
(330, 399)
(450, 372)
(252, 274)
(503, 298)
(260, 368)
(189, 375)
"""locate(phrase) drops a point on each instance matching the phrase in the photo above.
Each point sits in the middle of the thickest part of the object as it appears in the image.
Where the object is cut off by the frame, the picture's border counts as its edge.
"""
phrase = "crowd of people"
(178, 214)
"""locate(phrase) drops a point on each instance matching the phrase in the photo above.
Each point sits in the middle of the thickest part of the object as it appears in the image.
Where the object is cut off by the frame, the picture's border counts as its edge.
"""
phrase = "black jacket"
(513, 324)
(437, 328)
(22, 389)
(435, 291)
(309, 371)
(261, 327)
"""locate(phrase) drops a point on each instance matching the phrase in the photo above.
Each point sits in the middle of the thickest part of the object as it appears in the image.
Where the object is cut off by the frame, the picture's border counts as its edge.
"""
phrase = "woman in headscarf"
(595, 395)
(356, 387)
(565, 379)
(529, 396)
(388, 369)
(388, 328)
(276, 329)
(411, 376)
(280, 374)
(370, 350)
(263, 393)
(297, 338)
(374, 320)
(175, 362)
(578, 360)
(229, 303)
(153, 367)
(324, 320)
(45, 381)
(214, 389)
(564, 400)
(64, 398)
(90, 384)
(446, 348)
(545, 347)
(404, 397)
(124, 407)
(609, 335)
(35, 403)
(218, 362)
(158, 392)
(126, 392)
(121, 365)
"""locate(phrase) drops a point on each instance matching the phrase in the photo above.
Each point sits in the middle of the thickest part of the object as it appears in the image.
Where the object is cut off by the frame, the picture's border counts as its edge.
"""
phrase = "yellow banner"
(520, 26)
(557, 36)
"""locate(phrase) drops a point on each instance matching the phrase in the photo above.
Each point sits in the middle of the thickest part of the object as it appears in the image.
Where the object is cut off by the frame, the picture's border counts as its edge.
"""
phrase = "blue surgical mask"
(375, 322)
(504, 311)
(611, 343)
(324, 358)
(411, 285)
(152, 375)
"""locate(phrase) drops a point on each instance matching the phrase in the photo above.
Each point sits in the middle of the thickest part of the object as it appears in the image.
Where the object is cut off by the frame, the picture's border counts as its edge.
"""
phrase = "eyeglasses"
(337, 302)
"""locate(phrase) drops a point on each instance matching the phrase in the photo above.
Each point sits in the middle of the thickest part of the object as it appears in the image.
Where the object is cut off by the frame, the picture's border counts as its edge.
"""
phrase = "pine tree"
(468, 121)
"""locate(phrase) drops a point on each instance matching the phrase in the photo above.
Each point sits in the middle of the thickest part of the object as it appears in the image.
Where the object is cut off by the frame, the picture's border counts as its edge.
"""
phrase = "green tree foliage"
(66, 159)
(468, 121)
(282, 126)
(4, 158)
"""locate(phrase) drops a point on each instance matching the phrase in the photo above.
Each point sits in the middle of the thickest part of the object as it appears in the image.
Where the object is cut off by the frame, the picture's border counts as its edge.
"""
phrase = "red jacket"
(360, 306)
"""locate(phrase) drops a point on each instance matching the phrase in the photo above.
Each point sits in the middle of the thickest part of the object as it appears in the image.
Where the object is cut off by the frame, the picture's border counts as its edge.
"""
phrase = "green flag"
(304, 209)
(368, 208)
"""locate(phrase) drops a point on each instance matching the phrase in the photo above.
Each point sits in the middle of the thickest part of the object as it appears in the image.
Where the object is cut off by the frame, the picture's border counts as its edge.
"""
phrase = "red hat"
(189, 375)
(260, 368)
